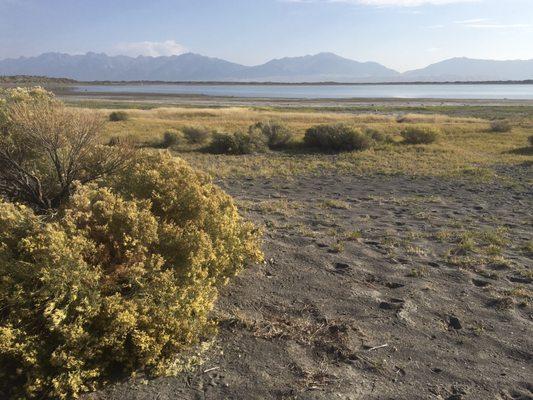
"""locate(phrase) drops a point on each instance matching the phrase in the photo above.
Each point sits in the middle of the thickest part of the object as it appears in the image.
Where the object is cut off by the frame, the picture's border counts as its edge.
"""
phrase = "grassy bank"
(466, 148)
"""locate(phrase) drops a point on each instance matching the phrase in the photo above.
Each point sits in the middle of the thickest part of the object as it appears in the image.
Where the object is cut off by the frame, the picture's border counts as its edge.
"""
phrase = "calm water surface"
(433, 91)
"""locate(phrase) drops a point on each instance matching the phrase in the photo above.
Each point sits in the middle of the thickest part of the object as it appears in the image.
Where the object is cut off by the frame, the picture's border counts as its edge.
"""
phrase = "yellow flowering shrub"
(121, 278)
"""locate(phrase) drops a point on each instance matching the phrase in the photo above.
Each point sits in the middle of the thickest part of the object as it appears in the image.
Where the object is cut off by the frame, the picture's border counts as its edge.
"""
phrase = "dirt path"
(374, 288)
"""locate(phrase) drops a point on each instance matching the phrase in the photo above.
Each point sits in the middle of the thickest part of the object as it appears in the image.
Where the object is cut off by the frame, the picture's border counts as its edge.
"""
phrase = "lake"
(403, 91)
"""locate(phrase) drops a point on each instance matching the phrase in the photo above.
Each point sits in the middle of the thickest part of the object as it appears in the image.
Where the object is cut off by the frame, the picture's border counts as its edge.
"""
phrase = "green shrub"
(501, 126)
(420, 134)
(171, 138)
(195, 135)
(119, 279)
(336, 138)
(117, 116)
(277, 135)
(238, 143)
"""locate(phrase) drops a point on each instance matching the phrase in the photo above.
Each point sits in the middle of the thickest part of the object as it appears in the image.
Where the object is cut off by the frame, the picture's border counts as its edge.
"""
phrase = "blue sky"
(401, 34)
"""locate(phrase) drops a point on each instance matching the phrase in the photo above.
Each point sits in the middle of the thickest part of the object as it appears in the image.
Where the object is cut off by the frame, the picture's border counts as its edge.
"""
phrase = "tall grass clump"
(118, 277)
(238, 143)
(196, 135)
(117, 116)
(420, 134)
(277, 135)
(337, 138)
(501, 126)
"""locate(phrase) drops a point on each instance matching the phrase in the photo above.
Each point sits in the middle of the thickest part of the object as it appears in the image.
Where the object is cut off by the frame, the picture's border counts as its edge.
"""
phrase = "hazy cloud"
(393, 3)
(146, 48)
(487, 23)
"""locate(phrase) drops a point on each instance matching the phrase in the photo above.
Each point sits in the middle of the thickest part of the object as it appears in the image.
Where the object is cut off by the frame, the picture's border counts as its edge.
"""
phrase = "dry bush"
(420, 134)
(277, 135)
(171, 138)
(337, 137)
(46, 147)
(238, 143)
(195, 135)
(501, 126)
(117, 116)
(121, 278)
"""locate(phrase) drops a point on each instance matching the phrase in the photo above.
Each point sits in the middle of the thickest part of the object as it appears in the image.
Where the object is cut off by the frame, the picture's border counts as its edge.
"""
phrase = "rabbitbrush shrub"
(238, 143)
(277, 135)
(195, 135)
(120, 278)
(500, 126)
(171, 138)
(117, 116)
(419, 134)
(337, 137)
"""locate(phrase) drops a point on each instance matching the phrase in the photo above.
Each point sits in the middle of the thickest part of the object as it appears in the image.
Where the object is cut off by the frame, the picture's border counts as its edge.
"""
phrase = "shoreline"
(165, 99)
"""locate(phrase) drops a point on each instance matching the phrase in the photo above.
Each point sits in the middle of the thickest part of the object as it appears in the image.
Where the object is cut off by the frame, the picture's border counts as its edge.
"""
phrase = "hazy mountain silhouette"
(321, 67)
(468, 69)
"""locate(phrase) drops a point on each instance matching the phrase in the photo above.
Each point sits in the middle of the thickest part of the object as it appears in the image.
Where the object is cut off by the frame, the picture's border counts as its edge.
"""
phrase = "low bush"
(195, 135)
(420, 134)
(171, 138)
(336, 138)
(238, 143)
(117, 116)
(277, 135)
(377, 136)
(121, 278)
(501, 126)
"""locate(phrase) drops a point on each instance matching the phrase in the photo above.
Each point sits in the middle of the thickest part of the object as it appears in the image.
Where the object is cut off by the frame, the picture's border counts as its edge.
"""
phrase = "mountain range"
(323, 67)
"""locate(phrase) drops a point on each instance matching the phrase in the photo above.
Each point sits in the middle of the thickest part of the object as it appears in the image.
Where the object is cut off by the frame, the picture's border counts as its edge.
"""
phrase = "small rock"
(454, 322)
(480, 283)
(393, 304)
(394, 285)
(342, 268)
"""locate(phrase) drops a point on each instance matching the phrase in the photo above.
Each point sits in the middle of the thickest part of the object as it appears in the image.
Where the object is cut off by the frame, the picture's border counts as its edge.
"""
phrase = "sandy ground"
(359, 299)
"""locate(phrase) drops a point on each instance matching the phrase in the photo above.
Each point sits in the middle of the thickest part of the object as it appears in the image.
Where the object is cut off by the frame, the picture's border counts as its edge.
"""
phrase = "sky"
(401, 34)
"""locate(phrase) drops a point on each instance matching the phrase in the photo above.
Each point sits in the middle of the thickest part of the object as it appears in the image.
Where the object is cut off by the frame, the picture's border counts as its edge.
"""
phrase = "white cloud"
(392, 3)
(471, 21)
(409, 3)
(498, 26)
(146, 48)
(486, 23)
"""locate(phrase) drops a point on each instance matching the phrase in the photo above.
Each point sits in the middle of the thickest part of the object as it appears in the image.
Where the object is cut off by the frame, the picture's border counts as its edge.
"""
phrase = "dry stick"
(378, 347)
